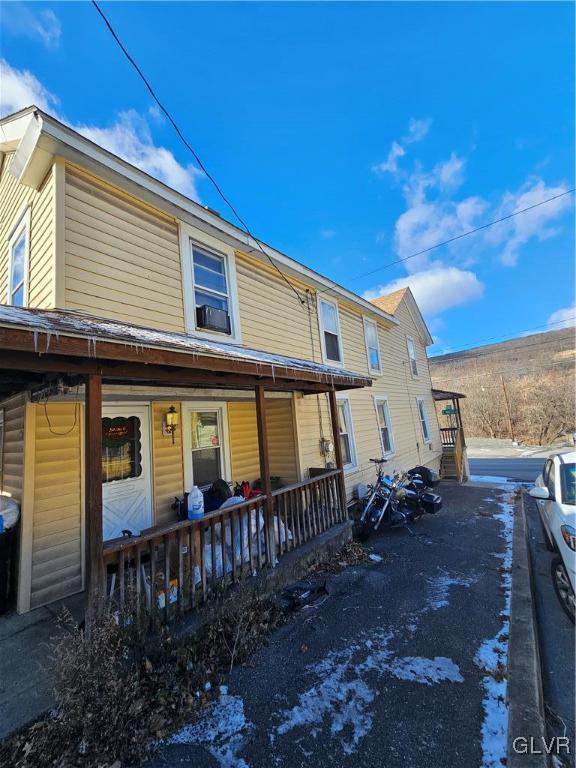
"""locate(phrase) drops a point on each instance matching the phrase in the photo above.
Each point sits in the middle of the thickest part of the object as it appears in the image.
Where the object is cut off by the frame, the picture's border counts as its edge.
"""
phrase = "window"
(550, 480)
(346, 435)
(18, 245)
(423, 419)
(211, 290)
(385, 425)
(412, 355)
(121, 448)
(209, 285)
(372, 346)
(330, 331)
(568, 482)
(206, 447)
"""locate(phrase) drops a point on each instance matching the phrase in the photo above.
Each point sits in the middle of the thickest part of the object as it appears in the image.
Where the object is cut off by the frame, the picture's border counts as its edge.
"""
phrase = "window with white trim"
(384, 425)
(412, 355)
(212, 300)
(346, 433)
(18, 262)
(330, 331)
(372, 346)
(423, 419)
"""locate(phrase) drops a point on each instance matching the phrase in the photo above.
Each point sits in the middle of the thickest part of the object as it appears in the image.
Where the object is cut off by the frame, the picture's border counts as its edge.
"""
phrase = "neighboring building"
(112, 249)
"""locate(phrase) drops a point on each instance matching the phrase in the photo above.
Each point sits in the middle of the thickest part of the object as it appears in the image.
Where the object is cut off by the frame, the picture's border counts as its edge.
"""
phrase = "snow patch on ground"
(425, 671)
(492, 655)
(342, 695)
(440, 588)
(500, 483)
(222, 730)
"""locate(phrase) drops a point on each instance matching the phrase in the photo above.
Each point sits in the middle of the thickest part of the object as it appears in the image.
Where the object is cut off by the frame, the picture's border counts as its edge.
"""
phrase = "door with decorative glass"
(126, 486)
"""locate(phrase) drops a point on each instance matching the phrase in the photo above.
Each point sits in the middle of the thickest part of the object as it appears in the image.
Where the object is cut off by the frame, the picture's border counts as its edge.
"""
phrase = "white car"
(555, 492)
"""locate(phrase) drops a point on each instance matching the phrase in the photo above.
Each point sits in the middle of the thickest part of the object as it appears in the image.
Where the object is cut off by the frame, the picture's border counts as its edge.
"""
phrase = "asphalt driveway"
(391, 669)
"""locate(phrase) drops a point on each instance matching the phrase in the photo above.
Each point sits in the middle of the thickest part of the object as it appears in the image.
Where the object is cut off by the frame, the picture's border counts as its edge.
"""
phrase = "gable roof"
(36, 138)
(390, 303)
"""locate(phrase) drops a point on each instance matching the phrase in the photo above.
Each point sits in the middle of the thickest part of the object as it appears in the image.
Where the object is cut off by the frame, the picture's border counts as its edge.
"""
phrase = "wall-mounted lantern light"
(171, 422)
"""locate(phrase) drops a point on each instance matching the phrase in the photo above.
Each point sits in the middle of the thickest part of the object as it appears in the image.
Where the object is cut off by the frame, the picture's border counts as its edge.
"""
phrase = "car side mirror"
(540, 492)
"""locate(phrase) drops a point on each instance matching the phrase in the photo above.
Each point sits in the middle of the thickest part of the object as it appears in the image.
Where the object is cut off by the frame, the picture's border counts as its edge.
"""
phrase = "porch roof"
(72, 342)
(445, 394)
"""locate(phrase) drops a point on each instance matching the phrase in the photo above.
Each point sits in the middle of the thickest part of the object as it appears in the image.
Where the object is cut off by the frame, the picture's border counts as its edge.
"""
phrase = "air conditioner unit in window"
(213, 319)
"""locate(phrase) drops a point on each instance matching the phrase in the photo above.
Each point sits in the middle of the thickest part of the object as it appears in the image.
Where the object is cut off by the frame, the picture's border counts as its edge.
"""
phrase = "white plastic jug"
(195, 503)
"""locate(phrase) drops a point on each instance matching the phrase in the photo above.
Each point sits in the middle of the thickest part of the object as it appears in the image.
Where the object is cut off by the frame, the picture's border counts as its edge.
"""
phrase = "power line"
(453, 239)
(191, 149)
(481, 342)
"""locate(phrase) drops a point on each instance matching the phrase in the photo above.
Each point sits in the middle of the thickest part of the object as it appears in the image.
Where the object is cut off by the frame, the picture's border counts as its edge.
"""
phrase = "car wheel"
(563, 587)
(547, 540)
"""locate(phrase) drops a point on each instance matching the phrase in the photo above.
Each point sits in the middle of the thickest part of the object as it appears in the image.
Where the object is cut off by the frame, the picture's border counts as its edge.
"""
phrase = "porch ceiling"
(35, 343)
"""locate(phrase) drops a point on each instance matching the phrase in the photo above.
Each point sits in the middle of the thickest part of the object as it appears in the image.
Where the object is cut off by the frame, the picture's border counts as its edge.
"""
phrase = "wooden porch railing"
(448, 436)
(172, 569)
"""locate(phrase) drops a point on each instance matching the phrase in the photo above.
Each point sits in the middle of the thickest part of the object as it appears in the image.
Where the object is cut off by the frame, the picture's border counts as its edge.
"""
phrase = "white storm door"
(126, 481)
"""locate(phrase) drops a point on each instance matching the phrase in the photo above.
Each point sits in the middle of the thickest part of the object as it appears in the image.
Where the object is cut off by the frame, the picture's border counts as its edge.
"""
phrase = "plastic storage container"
(195, 504)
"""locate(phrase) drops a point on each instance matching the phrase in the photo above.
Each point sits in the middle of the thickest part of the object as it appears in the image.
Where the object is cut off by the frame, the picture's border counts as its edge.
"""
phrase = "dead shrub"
(118, 689)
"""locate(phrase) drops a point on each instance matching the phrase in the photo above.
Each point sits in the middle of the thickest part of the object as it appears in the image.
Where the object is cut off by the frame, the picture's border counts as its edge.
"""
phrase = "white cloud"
(129, 136)
(20, 89)
(391, 162)
(563, 318)
(436, 289)
(24, 20)
(516, 232)
(328, 234)
(417, 130)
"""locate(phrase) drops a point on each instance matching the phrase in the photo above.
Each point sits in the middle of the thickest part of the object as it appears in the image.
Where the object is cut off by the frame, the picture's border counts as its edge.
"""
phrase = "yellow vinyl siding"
(167, 467)
(56, 503)
(122, 257)
(243, 435)
(13, 454)
(14, 198)
(271, 317)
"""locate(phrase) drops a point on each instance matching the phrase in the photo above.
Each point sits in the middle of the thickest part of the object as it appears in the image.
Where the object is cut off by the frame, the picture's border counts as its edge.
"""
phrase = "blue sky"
(348, 135)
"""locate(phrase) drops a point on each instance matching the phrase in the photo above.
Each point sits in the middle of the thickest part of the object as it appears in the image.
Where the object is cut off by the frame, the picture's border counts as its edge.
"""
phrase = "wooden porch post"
(93, 499)
(460, 425)
(337, 448)
(265, 471)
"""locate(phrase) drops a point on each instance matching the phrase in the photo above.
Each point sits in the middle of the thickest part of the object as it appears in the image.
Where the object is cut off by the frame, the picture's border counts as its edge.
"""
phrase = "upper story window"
(209, 282)
(412, 355)
(211, 291)
(330, 331)
(385, 425)
(18, 247)
(372, 346)
(423, 419)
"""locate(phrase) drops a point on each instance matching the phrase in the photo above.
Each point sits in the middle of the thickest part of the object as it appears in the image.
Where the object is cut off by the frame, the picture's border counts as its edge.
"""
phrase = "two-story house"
(201, 354)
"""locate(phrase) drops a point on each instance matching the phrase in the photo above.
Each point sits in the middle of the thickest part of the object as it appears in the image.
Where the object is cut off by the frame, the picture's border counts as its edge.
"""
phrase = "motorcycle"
(398, 500)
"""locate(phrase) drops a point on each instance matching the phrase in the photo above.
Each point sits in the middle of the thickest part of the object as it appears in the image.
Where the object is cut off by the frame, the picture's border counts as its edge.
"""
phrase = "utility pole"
(508, 409)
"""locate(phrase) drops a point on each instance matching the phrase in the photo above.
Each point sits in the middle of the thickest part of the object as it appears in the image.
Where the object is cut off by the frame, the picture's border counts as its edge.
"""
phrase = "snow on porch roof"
(71, 323)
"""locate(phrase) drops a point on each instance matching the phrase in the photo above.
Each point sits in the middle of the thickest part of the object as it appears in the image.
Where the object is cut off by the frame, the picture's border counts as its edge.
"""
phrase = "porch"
(454, 461)
(172, 566)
